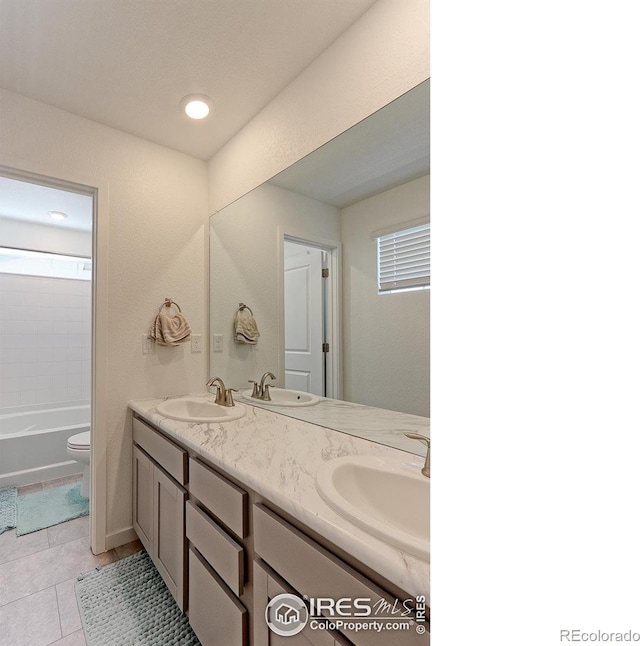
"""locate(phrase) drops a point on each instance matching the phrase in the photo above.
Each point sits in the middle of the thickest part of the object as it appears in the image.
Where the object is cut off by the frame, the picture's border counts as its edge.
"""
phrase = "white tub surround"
(278, 457)
(46, 334)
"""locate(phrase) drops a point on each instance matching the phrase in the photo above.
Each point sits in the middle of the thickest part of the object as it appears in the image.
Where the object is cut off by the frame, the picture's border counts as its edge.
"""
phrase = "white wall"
(380, 57)
(39, 237)
(244, 268)
(386, 337)
(157, 248)
(45, 340)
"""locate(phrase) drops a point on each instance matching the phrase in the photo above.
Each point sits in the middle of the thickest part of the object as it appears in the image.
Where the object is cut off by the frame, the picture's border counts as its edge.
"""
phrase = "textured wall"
(45, 340)
(157, 249)
(244, 263)
(381, 56)
(386, 338)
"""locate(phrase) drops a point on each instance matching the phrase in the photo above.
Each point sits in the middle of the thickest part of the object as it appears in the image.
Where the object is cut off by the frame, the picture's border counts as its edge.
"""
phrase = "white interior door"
(303, 318)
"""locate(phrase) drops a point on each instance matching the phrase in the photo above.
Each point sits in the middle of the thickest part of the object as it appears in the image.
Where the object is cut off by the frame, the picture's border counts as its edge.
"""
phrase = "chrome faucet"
(224, 396)
(426, 469)
(261, 390)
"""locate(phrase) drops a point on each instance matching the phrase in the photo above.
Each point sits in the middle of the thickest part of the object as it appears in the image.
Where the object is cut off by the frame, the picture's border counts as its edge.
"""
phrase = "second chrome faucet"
(261, 390)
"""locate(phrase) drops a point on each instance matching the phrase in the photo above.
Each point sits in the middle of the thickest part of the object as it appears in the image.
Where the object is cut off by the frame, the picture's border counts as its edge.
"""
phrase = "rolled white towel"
(170, 330)
(246, 329)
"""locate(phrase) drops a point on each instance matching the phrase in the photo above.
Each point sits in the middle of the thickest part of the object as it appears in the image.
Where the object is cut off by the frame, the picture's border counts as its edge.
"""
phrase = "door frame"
(332, 303)
(97, 188)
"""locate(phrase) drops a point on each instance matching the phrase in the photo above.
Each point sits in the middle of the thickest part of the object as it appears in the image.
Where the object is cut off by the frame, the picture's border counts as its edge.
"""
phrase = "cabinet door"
(266, 586)
(143, 498)
(168, 523)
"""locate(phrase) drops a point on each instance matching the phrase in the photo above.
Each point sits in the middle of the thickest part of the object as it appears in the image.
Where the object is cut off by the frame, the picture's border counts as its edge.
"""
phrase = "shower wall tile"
(45, 340)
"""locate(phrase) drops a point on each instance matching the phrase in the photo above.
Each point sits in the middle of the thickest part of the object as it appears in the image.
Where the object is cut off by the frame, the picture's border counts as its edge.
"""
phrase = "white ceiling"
(387, 149)
(127, 64)
(32, 202)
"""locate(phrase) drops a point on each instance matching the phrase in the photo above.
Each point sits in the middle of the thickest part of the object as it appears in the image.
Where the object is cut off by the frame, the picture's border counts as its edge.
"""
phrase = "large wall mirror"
(301, 251)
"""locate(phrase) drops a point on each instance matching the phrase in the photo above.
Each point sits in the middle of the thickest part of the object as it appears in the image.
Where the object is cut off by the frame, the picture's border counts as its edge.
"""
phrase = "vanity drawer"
(168, 455)
(216, 616)
(313, 571)
(218, 548)
(227, 502)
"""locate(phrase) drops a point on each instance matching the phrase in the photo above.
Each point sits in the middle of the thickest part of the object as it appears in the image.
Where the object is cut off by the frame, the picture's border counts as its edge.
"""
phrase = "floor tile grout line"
(49, 586)
(43, 549)
(34, 593)
(58, 607)
(17, 558)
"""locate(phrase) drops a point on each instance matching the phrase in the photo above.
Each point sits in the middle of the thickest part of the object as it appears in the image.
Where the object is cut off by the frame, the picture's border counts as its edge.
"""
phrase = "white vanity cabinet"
(159, 476)
(225, 551)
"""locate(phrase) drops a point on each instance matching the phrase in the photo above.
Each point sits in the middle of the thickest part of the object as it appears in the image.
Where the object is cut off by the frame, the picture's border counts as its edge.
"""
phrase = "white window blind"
(404, 259)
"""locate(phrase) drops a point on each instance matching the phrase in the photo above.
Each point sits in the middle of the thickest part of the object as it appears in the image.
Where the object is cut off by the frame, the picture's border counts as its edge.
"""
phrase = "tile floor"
(37, 580)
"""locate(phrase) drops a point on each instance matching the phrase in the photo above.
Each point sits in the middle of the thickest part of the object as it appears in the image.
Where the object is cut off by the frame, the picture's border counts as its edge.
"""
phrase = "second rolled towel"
(245, 328)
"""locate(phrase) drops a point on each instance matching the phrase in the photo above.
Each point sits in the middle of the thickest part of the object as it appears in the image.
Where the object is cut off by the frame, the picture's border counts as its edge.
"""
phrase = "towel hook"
(242, 307)
(168, 303)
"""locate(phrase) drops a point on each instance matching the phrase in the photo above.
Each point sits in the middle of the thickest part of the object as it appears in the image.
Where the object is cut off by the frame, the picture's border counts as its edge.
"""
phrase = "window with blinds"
(404, 259)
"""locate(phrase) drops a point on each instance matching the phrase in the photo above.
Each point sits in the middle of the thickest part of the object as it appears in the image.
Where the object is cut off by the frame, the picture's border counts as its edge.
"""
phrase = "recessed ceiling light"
(196, 106)
(58, 215)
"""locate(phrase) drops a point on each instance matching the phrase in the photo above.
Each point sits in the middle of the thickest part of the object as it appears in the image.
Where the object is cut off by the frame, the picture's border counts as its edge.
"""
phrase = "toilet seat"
(80, 441)
(79, 449)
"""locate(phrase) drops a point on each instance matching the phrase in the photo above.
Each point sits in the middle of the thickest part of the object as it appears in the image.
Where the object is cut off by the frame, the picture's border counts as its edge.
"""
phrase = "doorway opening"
(46, 289)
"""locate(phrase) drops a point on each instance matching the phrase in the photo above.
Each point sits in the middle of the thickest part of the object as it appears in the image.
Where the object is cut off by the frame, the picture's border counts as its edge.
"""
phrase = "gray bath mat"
(8, 497)
(50, 507)
(127, 602)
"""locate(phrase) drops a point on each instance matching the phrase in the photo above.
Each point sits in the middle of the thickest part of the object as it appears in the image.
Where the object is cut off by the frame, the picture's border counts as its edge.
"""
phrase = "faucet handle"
(256, 391)
(219, 395)
(422, 438)
(228, 396)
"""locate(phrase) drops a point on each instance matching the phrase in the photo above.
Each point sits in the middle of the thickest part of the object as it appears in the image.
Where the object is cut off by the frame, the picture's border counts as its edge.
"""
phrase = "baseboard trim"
(122, 537)
(40, 474)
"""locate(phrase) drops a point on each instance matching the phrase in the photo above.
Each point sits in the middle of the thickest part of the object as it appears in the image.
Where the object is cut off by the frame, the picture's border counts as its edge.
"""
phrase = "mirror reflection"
(331, 258)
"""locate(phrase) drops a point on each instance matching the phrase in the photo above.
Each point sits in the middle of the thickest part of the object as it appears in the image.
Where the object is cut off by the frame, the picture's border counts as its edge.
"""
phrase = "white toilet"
(79, 448)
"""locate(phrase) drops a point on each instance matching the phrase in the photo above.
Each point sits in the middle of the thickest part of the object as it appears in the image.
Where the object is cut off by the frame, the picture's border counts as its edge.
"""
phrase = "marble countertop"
(278, 456)
(376, 424)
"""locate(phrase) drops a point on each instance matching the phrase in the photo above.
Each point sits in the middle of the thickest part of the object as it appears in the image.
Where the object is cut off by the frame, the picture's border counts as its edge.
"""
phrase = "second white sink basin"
(284, 397)
(199, 410)
(387, 498)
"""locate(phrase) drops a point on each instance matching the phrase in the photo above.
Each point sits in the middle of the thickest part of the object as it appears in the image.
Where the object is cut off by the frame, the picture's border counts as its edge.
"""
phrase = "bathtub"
(33, 441)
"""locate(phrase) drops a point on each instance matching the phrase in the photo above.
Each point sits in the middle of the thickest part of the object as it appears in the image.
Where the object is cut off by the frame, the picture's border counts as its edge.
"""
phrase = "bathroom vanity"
(230, 515)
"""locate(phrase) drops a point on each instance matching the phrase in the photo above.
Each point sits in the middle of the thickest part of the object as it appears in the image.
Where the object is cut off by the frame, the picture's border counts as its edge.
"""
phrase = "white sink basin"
(199, 410)
(284, 397)
(387, 498)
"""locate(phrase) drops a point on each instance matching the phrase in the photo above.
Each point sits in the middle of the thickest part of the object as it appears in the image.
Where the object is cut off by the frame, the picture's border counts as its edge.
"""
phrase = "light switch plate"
(196, 343)
(217, 342)
(146, 344)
